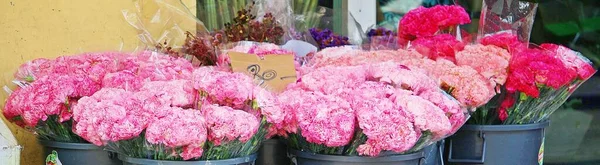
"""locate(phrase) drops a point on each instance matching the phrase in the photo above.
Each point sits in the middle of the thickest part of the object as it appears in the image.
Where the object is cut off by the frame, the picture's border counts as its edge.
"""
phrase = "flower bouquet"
(158, 108)
(538, 81)
(524, 83)
(46, 94)
(376, 110)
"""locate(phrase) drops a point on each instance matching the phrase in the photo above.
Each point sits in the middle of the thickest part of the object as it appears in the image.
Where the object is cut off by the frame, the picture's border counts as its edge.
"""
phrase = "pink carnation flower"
(386, 126)
(180, 128)
(48, 96)
(109, 115)
(490, 61)
(329, 121)
(425, 115)
(224, 88)
(226, 124)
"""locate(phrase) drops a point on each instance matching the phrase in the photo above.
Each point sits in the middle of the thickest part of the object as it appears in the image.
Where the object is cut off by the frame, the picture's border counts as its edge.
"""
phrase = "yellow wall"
(49, 28)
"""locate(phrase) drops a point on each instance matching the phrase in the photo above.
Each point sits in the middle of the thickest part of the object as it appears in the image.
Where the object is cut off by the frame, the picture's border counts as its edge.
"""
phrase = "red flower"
(530, 67)
(423, 22)
(438, 46)
(508, 102)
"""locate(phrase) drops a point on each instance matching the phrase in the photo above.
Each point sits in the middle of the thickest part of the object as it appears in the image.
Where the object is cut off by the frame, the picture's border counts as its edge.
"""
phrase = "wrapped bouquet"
(152, 109)
(367, 110)
(49, 89)
(539, 79)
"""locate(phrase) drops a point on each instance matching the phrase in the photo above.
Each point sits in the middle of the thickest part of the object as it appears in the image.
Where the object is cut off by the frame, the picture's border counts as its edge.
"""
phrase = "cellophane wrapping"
(511, 16)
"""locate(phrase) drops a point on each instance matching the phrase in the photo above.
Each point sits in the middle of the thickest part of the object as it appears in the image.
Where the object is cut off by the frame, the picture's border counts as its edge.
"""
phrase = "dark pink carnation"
(530, 67)
(423, 22)
(573, 60)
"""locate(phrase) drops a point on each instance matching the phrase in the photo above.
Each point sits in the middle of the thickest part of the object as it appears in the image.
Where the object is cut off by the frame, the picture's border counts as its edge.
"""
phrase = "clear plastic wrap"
(174, 30)
(10, 150)
(168, 26)
(513, 16)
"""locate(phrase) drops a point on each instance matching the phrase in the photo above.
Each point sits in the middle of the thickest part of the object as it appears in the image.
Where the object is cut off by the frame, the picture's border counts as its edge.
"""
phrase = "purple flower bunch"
(326, 38)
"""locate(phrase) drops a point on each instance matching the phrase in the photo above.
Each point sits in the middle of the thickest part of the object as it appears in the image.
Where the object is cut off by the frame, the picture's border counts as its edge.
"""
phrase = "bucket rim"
(357, 159)
(515, 127)
(67, 145)
(238, 160)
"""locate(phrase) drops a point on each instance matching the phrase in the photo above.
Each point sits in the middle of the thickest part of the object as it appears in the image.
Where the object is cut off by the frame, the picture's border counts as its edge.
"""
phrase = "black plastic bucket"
(80, 153)
(497, 144)
(246, 160)
(434, 153)
(306, 158)
(273, 152)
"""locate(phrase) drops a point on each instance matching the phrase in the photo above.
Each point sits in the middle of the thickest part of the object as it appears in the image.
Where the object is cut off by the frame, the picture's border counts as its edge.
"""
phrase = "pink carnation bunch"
(48, 95)
(226, 124)
(464, 83)
(184, 128)
(329, 121)
(109, 115)
(381, 100)
(224, 88)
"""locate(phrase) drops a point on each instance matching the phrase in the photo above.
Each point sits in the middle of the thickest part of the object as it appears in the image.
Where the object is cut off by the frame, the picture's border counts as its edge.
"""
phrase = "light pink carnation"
(226, 124)
(180, 128)
(425, 115)
(490, 61)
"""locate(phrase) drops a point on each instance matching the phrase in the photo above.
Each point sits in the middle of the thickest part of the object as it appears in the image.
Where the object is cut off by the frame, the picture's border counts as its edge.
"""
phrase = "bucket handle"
(481, 160)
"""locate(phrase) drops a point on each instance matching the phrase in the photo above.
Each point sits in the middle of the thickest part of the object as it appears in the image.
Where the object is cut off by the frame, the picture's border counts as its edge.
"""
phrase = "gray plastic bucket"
(246, 160)
(306, 158)
(272, 152)
(434, 153)
(80, 153)
(497, 144)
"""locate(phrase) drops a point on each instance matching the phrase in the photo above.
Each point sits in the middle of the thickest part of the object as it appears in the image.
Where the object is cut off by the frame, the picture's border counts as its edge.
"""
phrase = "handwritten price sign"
(273, 72)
